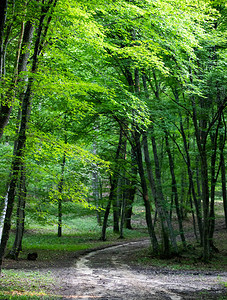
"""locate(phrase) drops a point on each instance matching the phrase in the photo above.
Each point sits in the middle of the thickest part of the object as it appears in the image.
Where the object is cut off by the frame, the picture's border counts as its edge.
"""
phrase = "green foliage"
(92, 67)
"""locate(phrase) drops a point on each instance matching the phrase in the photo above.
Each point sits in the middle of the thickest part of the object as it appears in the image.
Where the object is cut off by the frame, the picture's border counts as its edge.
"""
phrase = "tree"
(151, 76)
(25, 113)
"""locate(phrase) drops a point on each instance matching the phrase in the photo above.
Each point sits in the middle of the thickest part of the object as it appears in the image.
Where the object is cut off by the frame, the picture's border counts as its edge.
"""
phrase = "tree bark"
(151, 231)
(123, 193)
(223, 175)
(122, 217)
(131, 190)
(175, 192)
(105, 219)
(192, 186)
(21, 66)
(116, 215)
(156, 185)
(167, 229)
(17, 246)
(18, 158)
(16, 165)
(129, 199)
(114, 182)
(113, 188)
(3, 13)
(213, 180)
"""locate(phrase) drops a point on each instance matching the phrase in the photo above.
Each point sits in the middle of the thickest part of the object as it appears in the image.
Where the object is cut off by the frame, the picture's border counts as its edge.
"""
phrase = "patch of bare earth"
(112, 273)
(109, 274)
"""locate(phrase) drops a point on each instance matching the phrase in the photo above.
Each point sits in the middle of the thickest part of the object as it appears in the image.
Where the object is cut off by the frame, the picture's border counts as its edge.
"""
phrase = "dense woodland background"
(104, 103)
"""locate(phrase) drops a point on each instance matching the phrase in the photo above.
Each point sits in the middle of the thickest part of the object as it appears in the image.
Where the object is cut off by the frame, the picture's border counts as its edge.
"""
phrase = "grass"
(189, 259)
(82, 233)
(25, 285)
(185, 261)
(79, 233)
(27, 296)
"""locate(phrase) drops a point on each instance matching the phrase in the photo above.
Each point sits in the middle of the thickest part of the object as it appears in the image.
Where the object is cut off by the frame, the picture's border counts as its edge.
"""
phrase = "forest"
(107, 105)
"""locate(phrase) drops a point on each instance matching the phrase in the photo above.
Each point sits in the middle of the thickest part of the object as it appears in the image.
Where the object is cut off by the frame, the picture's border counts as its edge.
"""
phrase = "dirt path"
(109, 274)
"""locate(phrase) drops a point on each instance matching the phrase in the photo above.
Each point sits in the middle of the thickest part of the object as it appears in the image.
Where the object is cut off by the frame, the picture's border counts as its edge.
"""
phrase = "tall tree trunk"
(192, 211)
(165, 239)
(123, 205)
(95, 184)
(122, 192)
(192, 186)
(223, 175)
(167, 229)
(198, 183)
(165, 236)
(95, 187)
(113, 188)
(105, 219)
(175, 192)
(112, 195)
(3, 213)
(116, 206)
(129, 199)
(116, 213)
(16, 165)
(3, 13)
(156, 187)
(131, 190)
(21, 66)
(183, 194)
(147, 206)
(223, 181)
(2, 217)
(213, 180)
(17, 246)
(206, 202)
(26, 108)
(201, 139)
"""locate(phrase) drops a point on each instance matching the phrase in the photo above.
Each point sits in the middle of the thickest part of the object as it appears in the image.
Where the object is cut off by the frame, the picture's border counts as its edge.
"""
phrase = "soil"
(111, 274)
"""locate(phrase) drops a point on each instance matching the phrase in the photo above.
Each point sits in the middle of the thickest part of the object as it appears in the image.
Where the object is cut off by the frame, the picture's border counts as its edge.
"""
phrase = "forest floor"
(116, 272)
(122, 270)
(112, 273)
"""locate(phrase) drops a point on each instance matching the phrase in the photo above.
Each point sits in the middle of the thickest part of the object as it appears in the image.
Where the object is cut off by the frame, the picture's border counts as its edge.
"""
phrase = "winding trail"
(109, 274)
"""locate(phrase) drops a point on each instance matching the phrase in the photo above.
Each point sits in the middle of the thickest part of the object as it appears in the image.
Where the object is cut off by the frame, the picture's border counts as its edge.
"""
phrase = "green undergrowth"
(185, 261)
(79, 234)
(28, 296)
(18, 284)
(189, 259)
